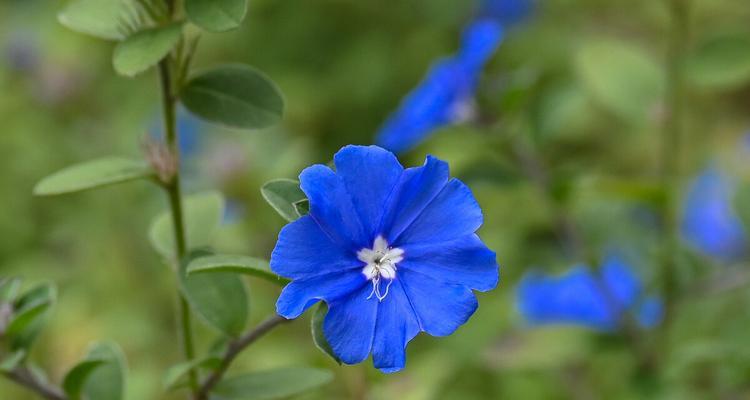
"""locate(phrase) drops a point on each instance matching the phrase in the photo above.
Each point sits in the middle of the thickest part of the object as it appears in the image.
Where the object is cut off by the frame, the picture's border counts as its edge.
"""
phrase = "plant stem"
(175, 204)
(24, 377)
(234, 348)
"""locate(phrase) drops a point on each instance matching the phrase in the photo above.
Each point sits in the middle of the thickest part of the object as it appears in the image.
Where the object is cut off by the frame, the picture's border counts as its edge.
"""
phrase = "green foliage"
(12, 360)
(274, 384)
(173, 378)
(286, 197)
(92, 174)
(76, 378)
(216, 15)
(29, 314)
(202, 214)
(721, 62)
(99, 18)
(237, 264)
(146, 48)
(234, 95)
(316, 328)
(107, 380)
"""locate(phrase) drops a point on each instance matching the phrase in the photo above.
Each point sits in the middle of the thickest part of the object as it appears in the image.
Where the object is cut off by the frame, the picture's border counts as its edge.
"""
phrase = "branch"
(24, 377)
(234, 349)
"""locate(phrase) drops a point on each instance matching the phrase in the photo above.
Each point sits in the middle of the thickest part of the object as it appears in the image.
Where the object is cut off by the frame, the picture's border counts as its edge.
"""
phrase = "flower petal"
(418, 187)
(452, 214)
(299, 295)
(303, 250)
(465, 261)
(440, 307)
(478, 43)
(396, 326)
(622, 285)
(349, 325)
(370, 174)
(331, 206)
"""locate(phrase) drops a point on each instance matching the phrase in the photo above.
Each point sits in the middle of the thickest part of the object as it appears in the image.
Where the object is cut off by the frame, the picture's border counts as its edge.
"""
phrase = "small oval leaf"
(145, 49)
(99, 18)
(273, 384)
(107, 381)
(202, 213)
(316, 328)
(235, 264)
(234, 95)
(29, 316)
(216, 15)
(76, 378)
(282, 195)
(722, 62)
(92, 174)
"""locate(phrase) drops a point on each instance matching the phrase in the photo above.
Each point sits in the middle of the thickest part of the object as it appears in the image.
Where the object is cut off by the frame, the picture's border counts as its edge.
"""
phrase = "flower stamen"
(380, 263)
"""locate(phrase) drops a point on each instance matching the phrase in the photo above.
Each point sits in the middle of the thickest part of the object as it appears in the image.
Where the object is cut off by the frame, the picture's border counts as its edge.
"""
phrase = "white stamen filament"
(380, 263)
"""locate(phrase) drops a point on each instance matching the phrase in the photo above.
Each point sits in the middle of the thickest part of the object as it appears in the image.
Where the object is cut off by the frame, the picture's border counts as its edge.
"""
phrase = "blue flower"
(446, 94)
(188, 129)
(709, 222)
(583, 297)
(392, 251)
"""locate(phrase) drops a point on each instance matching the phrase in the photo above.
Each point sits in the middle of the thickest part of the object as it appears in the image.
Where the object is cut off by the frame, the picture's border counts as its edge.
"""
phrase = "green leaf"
(173, 376)
(742, 203)
(722, 62)
(302, 207)
(316, 327)
(99, 18)
(216, 15)
(235, 264)
(29, 316)
(145, 49)
(77, 377)
(620, 77)
(92, 174)
(11, 361)
(9, 288)
(282, 194)
(234, 95)
(274, 384)
(107, 381)
(220, 299)
(202, 213)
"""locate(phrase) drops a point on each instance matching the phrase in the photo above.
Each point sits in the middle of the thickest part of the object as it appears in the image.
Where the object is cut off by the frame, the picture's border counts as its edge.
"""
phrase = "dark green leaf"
(99, 18)
(274, 384)
(302, 207)
(172, 378)
(236, 264)
(106, 382)
(316, 327)
(282, 194)
(202, 213)
(30, 312)
(722, 62)
(234, 95)
(145, 49)
(77, 377)
(216, 15)
(92, 174)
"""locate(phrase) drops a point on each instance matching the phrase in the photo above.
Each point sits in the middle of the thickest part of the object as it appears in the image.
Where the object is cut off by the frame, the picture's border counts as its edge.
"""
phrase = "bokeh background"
(563, 154)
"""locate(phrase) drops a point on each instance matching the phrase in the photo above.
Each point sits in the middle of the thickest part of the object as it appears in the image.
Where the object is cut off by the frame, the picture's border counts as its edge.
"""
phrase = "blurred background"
(565, 149)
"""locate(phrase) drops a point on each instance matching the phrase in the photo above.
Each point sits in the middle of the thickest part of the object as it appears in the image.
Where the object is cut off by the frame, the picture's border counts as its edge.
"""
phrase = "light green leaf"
(316, 328)
(173, 376)
(620, 77)
(722, 62)
(220, 299)
(234, 95)
(202, 213)
(216, 15)
(107, 381)
(77, 377)
(11, 361)
(282, 194)
(145, 49)
(92, 174)
(235, 264)
(274, 384)
(30, 312)
(99, 18)
(9, 288)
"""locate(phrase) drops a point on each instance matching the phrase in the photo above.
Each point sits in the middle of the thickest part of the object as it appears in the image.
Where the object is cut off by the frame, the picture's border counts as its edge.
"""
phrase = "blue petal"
(479, 42)
(623, 286)
(453, 213)
(440, 307)
(370, 175)
(303, 250)
(465, 261)
(299, 295)
(331, 207)
(709, 222)
(349, 326)
(396, 326)
(650, 312)
(418, 187)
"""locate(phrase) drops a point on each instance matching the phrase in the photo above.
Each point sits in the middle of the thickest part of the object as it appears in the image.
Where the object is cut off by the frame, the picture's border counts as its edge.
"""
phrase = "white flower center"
(380, 263)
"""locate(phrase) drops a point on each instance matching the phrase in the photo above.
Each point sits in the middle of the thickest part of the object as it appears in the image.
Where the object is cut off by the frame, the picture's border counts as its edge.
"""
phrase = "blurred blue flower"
(446, 95)
(188, 130)
(584, 297)
(392, 251)
(508, 12)
(709, 223)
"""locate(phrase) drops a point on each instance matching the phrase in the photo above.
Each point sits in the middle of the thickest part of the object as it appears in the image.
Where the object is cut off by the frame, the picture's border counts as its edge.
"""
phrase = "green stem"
(175, 204)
